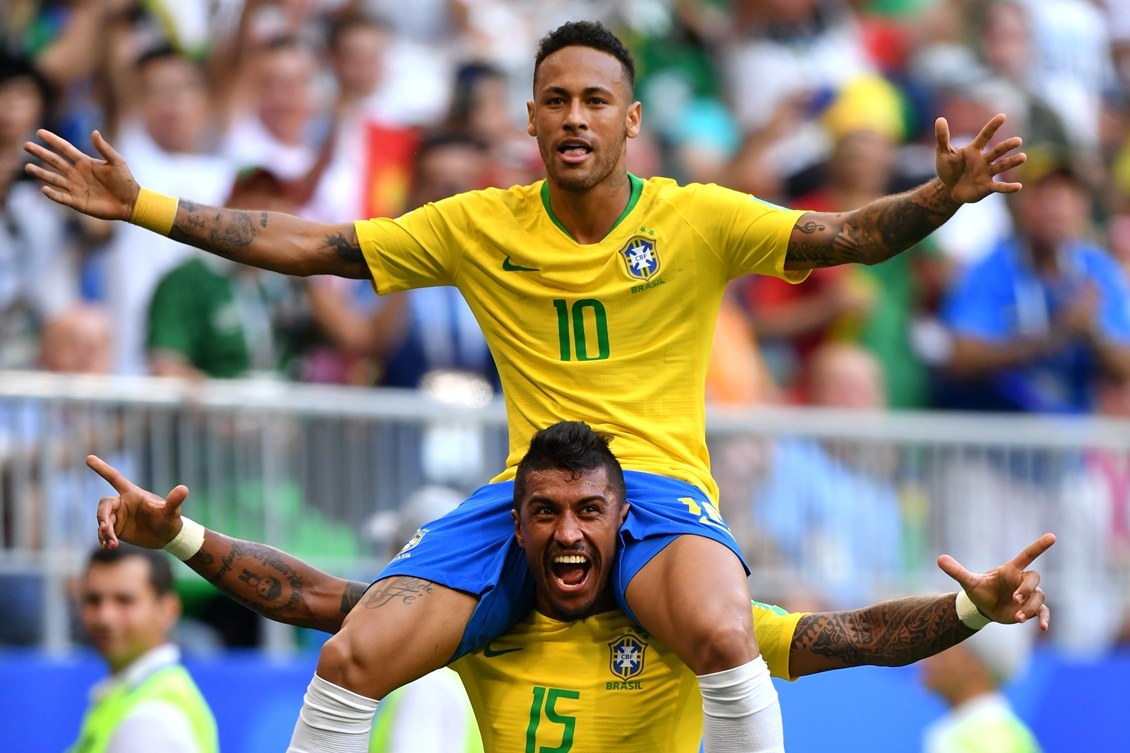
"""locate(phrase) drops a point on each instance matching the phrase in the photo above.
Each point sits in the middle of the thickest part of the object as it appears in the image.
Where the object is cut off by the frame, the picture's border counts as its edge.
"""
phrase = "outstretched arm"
(261, 578)
(105, 188)
(901, 631)
(892, 224)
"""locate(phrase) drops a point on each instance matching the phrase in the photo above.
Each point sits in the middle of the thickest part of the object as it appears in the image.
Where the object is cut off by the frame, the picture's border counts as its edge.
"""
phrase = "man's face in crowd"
(582, 115)
(568, 526)
(121, 612)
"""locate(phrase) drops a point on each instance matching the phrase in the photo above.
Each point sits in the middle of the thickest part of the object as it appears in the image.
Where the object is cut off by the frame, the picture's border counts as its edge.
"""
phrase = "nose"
(568, 531)
(575, 119)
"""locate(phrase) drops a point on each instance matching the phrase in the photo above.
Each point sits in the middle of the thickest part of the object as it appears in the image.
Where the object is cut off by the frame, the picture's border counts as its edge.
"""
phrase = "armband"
(154, 211)
(188, 541)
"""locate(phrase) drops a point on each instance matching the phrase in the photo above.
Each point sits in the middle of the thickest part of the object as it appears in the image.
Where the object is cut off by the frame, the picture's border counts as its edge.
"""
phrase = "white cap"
(395, 527)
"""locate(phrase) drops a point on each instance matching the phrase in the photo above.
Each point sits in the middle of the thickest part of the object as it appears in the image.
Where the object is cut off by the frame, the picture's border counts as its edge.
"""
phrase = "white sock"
(332, 720)
(740, 712)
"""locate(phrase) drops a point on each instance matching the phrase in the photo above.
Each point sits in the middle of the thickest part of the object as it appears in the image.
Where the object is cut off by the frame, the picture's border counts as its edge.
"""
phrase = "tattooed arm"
(892, 224)
(262, 578)
(889, 634)
(901, 631)
(105, 188)
(274, 584)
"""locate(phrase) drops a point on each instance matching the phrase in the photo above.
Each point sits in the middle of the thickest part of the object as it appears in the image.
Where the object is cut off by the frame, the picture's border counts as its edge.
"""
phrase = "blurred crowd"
(343, 109)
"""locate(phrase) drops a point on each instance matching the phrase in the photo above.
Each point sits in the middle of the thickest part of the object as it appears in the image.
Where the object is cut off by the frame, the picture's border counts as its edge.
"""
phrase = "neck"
(1045, 259)
(968, 692)
(589, 214)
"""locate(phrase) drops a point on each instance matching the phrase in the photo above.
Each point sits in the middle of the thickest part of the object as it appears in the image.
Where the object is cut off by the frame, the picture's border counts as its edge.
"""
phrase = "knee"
(341, 663)
(720, 639)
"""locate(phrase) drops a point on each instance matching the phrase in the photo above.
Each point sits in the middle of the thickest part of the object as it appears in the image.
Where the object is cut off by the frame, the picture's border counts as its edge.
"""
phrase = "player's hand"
(1009, 593)
(969, 172)
(135, 516)
(102, 188)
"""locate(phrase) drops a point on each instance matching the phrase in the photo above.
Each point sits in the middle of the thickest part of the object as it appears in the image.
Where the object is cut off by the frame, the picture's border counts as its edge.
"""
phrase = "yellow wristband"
(154, 211)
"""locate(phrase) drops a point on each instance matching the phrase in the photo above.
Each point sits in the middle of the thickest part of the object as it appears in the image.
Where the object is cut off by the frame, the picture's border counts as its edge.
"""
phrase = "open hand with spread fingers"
(969, 172)
(102, 188)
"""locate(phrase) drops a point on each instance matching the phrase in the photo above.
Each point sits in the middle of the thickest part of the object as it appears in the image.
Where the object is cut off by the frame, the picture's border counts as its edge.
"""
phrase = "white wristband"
(188, 541)
(968, 612)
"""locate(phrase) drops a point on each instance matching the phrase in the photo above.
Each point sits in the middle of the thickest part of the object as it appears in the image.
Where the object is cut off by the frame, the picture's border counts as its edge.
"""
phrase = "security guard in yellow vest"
(149, 702)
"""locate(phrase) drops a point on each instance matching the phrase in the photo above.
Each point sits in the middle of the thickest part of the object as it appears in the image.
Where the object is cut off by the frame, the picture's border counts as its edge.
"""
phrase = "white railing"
(832, 508)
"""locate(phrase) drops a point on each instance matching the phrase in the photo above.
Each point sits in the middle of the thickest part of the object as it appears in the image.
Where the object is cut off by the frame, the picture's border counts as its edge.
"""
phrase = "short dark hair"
(14, 67)
(442, 138)
(586, 34)
(347, 22)
(570, 446)
(160, 570)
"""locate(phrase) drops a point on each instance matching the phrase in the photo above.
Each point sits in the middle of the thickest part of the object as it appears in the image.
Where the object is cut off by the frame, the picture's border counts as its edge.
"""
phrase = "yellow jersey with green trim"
(617, 333)
(596, 685)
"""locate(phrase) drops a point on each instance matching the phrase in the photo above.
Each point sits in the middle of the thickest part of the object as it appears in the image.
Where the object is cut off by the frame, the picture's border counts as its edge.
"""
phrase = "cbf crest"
(412, 542)
(626, 656)
(641, 258)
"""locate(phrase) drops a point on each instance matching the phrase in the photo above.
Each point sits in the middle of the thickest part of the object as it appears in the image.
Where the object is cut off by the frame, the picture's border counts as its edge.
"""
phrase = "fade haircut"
(570, 446)
(587, 34)
(160, 571)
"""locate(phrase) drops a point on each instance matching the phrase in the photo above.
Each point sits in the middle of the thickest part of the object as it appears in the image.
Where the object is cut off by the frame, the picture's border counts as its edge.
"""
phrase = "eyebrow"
(585, 92)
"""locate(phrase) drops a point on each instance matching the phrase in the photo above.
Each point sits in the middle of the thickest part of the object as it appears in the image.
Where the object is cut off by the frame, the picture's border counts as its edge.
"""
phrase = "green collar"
(637, 189)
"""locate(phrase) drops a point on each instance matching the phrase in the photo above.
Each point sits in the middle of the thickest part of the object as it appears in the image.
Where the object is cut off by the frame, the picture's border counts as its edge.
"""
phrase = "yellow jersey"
(596, 685)
(617, 333)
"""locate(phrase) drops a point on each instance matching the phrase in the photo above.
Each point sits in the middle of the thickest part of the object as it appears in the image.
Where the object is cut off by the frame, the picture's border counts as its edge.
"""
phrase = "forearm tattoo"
(889, 634)
(346, 249)
(259, 578)
(873, 233)
(404, 589)
(224, 232)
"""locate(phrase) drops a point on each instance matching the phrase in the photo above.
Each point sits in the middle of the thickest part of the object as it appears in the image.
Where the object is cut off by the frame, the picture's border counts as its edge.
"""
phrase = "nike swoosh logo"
(490, 652)
(508, 266)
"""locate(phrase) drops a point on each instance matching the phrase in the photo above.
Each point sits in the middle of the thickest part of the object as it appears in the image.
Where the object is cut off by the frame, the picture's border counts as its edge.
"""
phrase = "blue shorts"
(472, 548)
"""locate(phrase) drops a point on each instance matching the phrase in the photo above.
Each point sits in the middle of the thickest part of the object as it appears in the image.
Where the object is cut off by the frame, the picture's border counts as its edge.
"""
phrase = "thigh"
(681, 575)
(663, 509)
(472, 550)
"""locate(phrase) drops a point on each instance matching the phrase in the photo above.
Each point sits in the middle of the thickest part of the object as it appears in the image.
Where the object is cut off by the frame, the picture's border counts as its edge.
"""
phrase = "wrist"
(970, 616)
(154, 211)
(188, 541)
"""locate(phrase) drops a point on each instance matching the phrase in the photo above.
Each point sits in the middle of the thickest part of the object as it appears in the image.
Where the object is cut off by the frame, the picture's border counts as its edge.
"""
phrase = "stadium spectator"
(785, 61)
(149, 702)
(277, 125)
(968, 678)
(39, 277)
(209, 318)
(830, 510)
(170, 136)
(480, 107)
(1005, 45)
(1037, 322)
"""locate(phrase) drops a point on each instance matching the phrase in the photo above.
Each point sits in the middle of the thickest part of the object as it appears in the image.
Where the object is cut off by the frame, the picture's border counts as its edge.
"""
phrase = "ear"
(530, 127)
(624, 512)
(517, 527)
(633, 120)
(170, 610)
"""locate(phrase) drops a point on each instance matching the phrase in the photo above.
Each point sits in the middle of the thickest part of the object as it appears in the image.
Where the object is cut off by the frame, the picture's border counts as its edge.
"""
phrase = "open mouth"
(574, 150)
(571, 571)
